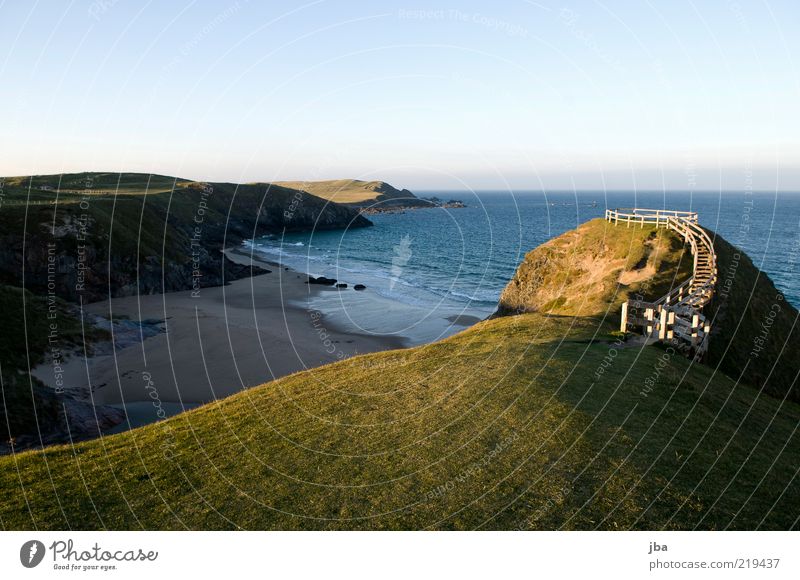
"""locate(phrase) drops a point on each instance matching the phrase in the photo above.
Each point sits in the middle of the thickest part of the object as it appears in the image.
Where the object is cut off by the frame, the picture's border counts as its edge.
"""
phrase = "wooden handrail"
(681, 307)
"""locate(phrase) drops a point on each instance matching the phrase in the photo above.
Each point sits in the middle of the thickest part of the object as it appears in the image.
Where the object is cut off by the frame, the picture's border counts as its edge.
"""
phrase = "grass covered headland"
(77, 238)
(542, 417)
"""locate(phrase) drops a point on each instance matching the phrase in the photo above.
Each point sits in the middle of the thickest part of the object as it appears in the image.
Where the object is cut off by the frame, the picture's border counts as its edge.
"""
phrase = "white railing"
(677, 316)
(639, 216)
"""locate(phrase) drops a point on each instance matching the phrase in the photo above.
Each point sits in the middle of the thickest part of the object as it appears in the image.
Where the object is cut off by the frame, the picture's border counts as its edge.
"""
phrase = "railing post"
(662, 325)
(623, 325)
(695, 328)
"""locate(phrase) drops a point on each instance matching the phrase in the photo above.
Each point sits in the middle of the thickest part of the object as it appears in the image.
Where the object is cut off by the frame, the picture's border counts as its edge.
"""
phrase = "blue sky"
(423, 94)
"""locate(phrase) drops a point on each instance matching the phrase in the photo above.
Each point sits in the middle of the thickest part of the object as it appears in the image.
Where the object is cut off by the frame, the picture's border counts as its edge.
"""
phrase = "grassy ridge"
(352, 191)
(506, 425)
(96, 183)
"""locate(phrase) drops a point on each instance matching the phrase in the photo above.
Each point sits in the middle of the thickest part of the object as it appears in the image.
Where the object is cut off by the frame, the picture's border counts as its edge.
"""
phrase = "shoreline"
(217, 341)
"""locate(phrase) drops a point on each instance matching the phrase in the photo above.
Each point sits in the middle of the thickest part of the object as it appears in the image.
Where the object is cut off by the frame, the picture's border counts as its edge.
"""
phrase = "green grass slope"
(531, 421)
(72, 187)
(96, 183)
(507, 425)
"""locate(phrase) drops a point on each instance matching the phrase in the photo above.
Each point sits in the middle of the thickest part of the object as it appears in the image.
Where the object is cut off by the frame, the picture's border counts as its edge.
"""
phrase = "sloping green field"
(519, 422)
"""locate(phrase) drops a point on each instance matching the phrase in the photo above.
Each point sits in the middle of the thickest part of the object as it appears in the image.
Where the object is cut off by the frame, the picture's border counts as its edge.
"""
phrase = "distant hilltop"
(368, 196)
(353, 191)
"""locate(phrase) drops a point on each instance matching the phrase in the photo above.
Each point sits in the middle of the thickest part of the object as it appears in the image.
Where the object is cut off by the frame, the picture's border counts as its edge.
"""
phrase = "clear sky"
(423, 94)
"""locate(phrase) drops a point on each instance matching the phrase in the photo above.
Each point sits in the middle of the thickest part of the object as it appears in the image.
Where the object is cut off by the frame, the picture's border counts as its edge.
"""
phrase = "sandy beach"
(216, 342)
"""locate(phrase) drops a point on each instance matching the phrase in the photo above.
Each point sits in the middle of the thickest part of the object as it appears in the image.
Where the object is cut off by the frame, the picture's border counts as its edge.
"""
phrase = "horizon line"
(427, 188)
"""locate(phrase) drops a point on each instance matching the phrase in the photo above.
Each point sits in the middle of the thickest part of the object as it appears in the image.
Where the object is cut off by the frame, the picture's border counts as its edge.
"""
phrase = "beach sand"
(217, 342)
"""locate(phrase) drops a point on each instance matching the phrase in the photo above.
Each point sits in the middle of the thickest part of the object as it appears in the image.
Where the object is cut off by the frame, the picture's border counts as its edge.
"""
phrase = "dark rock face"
(88, 420)
(359, 287)
(74, 420)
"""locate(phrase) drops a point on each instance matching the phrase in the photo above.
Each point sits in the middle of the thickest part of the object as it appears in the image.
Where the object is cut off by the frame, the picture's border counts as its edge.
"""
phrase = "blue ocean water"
(459, 260)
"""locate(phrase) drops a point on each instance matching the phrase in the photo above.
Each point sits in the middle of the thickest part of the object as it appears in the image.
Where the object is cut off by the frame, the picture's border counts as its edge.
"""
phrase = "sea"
(431, 272)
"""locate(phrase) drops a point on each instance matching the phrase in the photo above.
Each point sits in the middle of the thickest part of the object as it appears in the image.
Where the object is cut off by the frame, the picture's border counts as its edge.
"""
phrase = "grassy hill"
(87, 236)
(527, 421)
(354, 191)
(593, 269)
(96, 183)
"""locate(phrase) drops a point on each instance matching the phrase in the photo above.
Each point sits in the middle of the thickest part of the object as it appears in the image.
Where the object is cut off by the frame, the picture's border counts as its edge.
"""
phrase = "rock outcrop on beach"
(321, 281)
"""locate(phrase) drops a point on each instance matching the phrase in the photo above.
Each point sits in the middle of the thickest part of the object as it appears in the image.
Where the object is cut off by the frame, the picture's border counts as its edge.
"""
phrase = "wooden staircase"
(677, 316)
